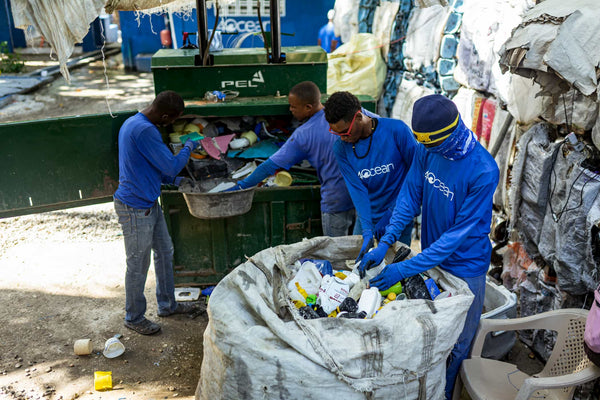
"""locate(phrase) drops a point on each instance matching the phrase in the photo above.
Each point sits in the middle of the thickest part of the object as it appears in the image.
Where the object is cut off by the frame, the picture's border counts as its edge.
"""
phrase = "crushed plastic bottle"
(214, 96)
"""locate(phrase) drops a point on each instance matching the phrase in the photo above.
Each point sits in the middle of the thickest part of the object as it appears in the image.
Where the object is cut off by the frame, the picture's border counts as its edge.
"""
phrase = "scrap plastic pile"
(230, 147)
(318, 291)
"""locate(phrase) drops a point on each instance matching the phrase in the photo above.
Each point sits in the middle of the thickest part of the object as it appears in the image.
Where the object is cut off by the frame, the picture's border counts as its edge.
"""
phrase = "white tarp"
(257, 345)
(62, 23)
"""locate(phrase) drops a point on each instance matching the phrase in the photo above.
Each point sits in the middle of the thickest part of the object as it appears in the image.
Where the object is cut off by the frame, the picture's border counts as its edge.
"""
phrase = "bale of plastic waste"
(257, 345)
(357, 67)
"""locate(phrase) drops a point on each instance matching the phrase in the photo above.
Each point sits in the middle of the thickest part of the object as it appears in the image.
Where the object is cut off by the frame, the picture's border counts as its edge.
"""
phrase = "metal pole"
(202, 30)
(498, 143)
(275, 32)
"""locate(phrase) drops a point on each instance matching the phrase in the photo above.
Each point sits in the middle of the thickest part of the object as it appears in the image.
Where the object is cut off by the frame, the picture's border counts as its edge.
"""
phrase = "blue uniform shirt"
(456, 197)
(375, 180)
(313, 142)
(145, 162)
(327, 35)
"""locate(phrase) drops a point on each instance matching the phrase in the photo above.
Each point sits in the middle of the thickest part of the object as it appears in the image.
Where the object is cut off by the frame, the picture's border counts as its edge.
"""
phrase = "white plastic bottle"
(369, 301)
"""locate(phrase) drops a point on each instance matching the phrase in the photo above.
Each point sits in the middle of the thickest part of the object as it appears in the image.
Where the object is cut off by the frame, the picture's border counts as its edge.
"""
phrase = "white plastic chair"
(567, 367)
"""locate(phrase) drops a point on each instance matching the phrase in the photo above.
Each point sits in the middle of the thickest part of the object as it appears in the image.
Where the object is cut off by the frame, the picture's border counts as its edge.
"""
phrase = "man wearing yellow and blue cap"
(453, 179)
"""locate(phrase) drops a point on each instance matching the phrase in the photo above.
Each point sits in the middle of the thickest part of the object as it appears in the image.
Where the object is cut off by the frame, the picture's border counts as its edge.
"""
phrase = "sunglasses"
(348, 131)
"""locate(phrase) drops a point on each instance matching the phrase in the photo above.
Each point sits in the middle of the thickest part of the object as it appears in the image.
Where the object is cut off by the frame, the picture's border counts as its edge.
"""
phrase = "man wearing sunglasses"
(311, 141)
(374, 155)
(453, 179)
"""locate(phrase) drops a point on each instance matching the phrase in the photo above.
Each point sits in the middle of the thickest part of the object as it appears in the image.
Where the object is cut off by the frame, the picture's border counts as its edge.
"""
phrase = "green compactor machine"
(73, 161)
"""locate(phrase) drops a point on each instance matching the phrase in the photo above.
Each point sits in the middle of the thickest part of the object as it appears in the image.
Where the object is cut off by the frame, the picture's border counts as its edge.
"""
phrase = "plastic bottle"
(396, 289)
(340, 275)
(370, 299)
(445, 294)
(432, 287)
(298, 303)
(390, 297)
(332, 293)
(370, 273)
(301, 291)
(352, 279)
(308, 277)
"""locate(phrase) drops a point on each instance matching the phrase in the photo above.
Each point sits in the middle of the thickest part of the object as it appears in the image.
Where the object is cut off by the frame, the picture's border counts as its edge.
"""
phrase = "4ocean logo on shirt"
(369, 172)
(441, 186)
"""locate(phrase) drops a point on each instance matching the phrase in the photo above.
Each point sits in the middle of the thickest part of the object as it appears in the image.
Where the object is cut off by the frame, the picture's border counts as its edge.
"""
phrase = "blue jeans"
(145, 230)
(337, 224)
(465, 340)
(405, 237)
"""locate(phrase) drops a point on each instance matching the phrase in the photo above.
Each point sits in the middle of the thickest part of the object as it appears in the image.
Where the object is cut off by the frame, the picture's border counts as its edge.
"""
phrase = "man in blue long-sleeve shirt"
(145, 162)
(311, 141)
(374, 155)
(453, 178)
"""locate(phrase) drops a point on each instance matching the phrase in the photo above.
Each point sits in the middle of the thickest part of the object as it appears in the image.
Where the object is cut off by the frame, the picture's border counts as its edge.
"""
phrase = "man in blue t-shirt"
(327, 39)
(453, 179)
(374, 155)
(311, 141)
(144, 163)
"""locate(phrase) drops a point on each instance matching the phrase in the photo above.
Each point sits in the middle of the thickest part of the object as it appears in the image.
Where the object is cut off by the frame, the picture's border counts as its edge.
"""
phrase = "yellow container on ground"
(102, 380)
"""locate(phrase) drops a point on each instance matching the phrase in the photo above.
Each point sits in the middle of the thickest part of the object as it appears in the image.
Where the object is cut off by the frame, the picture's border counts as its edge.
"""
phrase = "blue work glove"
(373, 258)
(234, 188)
(191, 144)
(366, 246)
(391, 274)
(383, 222)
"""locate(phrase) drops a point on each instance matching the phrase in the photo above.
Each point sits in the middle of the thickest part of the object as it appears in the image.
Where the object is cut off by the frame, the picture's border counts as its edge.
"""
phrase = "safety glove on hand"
(391, 274)
(191, 144)
(373, 258)
(240, 185)
(366, 246)
(234, 188)
(383, 222)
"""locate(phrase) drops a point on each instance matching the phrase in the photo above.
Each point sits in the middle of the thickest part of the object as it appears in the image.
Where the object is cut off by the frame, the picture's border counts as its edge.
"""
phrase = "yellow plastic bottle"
(298, 303)
(301, 290)
(340, 275)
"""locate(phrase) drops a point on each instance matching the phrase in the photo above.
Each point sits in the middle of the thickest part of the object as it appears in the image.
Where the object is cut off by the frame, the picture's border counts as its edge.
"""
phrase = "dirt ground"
(62, 280)
(63, 275)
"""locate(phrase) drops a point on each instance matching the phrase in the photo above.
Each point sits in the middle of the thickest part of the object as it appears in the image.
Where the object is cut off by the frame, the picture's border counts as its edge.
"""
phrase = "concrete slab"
(10, 85)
